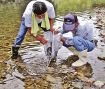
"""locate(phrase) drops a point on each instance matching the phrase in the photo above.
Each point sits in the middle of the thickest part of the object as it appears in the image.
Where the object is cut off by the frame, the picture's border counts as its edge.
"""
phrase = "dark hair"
(39, 8)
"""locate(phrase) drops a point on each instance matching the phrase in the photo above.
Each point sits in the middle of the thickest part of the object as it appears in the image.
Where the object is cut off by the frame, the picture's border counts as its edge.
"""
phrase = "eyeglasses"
(69, 21)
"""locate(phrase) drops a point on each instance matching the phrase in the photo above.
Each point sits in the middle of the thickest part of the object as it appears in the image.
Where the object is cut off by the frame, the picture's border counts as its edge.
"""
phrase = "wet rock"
(77, 85)
(12, 83)
(64, 69)
(67, 86)
(63, 54)
(10, 62)
(21, 68)
(17, 74)
(41, 83)
(72, 70)
(70, 60)
(101, 58)
(99, 84)
(99, 27)
(52, 63)
(57, 84)
(50, 70)
(29, 82)
(50, 78)
(103, 34)
(68, 78)
(85, 70)
(87, 80)
(64, 66)
(3, 69)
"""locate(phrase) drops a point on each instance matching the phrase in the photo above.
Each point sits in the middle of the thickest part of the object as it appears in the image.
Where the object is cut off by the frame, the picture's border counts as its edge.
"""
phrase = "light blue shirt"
(85, 31)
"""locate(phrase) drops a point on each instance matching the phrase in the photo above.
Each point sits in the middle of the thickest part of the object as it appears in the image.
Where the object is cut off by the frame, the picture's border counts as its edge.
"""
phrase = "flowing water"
(60, 75)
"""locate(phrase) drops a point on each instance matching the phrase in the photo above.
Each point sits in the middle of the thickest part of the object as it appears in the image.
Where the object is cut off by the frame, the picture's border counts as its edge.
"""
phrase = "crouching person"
(78, 38)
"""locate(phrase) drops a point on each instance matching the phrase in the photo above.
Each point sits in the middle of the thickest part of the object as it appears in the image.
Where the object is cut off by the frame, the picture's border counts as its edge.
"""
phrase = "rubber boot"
(82, 58)
(15, 52)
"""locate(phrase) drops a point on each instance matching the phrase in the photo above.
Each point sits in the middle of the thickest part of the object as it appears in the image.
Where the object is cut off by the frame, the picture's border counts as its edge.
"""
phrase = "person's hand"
(54, 31)
(63, 39)
(41, 39)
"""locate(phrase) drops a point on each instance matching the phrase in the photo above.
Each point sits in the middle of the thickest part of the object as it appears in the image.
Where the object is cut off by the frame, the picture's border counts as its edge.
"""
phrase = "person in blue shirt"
(77, 37)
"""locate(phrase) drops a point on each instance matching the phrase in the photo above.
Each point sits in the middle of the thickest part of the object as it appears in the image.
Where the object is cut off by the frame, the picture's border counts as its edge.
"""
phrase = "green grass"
(73, 5)
(98, 1)
(65, 6)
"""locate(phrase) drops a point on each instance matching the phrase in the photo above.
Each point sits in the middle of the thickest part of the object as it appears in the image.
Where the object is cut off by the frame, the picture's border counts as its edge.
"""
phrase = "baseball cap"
(69, 21)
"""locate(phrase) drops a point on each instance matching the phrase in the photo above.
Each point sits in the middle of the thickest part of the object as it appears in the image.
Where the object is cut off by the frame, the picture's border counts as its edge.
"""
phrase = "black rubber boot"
(15, 52)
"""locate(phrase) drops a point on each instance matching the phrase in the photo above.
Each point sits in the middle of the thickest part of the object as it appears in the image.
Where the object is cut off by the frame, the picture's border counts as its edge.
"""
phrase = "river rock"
(17, 74)
(99, 84)
(50, 78)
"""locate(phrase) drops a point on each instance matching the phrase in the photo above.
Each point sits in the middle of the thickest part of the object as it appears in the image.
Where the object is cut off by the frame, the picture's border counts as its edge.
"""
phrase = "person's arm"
(52, 29)
(51, 20)
(85, 31)
(51, 15)
(29, 30)
(67, 38)
(37, 37)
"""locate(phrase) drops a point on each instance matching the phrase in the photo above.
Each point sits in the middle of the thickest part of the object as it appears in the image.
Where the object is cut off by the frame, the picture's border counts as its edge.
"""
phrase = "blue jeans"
(81, 44)
(21, 34)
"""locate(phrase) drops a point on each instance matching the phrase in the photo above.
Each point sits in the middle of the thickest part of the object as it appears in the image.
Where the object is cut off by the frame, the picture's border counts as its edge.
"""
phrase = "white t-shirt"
(28, 12)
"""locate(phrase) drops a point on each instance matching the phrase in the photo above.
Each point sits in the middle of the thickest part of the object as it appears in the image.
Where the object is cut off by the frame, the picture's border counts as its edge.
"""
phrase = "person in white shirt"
(77, 37)
(36, 13)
